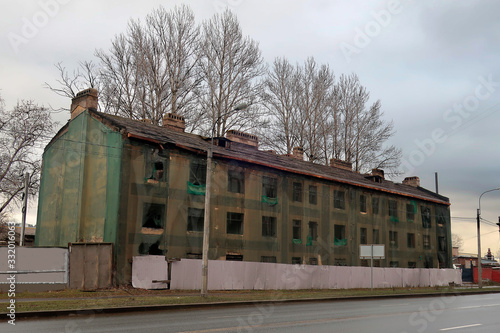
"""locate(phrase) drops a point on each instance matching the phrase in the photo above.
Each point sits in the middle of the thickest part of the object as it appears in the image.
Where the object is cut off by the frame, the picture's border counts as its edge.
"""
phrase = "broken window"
(411, 209)
(393, 210)
(393, 239)
(297, 192)
(197, 172)
(412, 264)
(234, 257)
(426, 217)
(234, 223)
(236, 181)
(297, 230)
(153, 215)
(440, 218)
(375, 237)
(375, 205)
(394, 264)
(429, 261)
(269, 187)
(442, 243)
(313, 230)
(363, 236)
(195, 219)
(268, 226)
(362, 203)
(296, 261)
(340, 262)
(339, 235)
(313, 261)
(410, 240)
(313, 194)
(426, 240)
(268, 259)
(339, 199)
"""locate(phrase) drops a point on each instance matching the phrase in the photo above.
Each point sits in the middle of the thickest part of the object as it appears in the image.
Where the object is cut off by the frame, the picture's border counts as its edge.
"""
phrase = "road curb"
(99, 311)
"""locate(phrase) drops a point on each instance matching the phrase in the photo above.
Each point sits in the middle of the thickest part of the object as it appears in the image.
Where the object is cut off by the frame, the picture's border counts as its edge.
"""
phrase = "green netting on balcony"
(340, 242)
(394, 219)
(269, 201)
(297, 241)
(196, 189)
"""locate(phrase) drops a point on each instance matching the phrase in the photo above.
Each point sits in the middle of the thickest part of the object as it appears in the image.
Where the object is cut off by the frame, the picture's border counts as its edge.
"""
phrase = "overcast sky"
(433, 64)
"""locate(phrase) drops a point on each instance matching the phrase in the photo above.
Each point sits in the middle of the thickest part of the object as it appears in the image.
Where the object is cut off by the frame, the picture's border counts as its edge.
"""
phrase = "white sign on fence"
(365, 251)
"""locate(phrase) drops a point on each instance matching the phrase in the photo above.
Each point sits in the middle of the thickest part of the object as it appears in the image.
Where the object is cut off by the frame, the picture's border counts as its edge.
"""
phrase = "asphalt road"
(460, 314)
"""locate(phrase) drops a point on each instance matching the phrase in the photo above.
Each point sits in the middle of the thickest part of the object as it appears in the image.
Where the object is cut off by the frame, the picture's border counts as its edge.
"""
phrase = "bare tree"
(21, 132)
(280, 98)
(231, 67)
(457, 241)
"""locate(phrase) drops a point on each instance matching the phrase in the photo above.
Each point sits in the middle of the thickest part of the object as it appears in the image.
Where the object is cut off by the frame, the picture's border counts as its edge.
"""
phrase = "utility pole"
(25, 207)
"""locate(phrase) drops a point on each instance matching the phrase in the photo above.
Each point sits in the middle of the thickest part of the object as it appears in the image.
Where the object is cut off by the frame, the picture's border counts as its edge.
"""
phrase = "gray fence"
(34, 268)
(234, 275)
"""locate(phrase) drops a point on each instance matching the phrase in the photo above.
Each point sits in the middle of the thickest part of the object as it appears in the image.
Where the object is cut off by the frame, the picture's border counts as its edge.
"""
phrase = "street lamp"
(479, 265)
(206, 219)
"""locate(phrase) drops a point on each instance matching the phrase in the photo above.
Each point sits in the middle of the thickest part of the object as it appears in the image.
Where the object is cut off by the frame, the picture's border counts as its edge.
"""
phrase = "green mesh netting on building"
(340, 242)
(297, 241)
(196, 189)
(269, 201)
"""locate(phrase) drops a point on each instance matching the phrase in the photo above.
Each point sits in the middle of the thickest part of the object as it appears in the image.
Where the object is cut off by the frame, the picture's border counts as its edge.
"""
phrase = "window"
(296, 261)
(155, 171)
(394, 264)
(340, 262)
(426, 217)
(441, 243)
(375, 205)
(440, 218)
(297, 229)
(393, 210)
(364, 263)
(197, 173)
(234, 223)
(410, 240)
(268, 226)
(410, 212)
(339, 232)
(375, 237)
(426, 241)
(269, 187)
(313, 194)
(313, 261)
(429, 261)
(268, 259)
(313, 230)
(234, 257)
(297, 192)
(195, 219)
(412, 264)
(235, 181)
(393, 239)
(339, 199)
(152, 216)
(362, 203)
(363, 236)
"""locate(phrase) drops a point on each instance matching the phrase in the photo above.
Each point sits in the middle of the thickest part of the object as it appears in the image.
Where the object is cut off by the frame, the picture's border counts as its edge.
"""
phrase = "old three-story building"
(142, 187)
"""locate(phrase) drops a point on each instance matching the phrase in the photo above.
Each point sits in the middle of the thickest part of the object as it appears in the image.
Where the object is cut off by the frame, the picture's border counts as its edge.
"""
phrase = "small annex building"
(141, 187)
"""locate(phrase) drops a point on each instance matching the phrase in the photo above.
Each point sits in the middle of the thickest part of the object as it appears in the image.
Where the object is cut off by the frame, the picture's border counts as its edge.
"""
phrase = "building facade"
(142, 188)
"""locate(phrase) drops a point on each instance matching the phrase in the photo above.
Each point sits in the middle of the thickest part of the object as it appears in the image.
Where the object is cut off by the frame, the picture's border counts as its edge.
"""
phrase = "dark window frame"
(375, 205)
(297, 192)
(235, 181)
(393, 239)
(313, 230)
(313, 194)
(269, 226)
(339, 199)
(198, 172)
(269, 187)
(363, 236)
(195, 219)
(235, 223)
(296, 229)
(362, 203)
(150, 213)
(410, 240)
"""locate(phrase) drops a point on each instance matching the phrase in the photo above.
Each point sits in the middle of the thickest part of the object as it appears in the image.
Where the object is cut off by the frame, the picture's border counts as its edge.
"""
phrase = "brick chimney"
(174, 122)
(298, 153)
(243, 138)
(85, 99)
(341, 164)
(412, 181)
